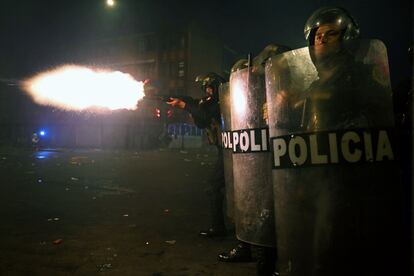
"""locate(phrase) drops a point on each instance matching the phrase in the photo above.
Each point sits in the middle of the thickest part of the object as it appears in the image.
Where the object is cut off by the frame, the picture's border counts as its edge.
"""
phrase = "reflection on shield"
(253, 198)
(334, 216)
(227, 154)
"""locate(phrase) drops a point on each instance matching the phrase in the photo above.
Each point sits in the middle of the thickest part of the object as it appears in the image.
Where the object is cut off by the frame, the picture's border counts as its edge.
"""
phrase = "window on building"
(181, 69)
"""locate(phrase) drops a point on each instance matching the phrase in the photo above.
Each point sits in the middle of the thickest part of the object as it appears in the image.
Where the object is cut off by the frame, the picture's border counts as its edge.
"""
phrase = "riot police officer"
(206, 115)
(253, 190)
(326, 31)
(333, 216)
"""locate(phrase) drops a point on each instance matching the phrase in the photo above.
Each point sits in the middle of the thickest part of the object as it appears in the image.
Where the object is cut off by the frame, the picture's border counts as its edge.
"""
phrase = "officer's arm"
(176, 102)
(199, 114)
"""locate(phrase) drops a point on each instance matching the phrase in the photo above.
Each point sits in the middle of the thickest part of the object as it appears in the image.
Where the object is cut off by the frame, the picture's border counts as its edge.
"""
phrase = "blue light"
(42, 133)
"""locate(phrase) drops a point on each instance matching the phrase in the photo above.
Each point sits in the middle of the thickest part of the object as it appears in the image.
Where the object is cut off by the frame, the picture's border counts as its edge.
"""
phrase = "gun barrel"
(165, 98)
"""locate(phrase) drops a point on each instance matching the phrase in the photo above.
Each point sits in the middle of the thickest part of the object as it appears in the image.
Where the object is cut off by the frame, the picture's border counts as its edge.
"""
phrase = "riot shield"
(336, 185)
(224, 99)
(253, 198)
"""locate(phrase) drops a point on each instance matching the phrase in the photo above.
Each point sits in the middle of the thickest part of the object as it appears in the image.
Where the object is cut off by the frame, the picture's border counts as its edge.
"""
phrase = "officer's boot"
(240, 253)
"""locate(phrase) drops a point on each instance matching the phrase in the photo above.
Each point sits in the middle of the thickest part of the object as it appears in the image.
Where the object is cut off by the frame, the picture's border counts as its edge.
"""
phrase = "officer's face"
(327, 38)
(327, 34)
(209, 91)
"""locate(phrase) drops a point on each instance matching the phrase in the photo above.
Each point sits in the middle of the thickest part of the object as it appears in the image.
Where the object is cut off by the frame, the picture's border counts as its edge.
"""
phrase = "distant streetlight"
(110, 3)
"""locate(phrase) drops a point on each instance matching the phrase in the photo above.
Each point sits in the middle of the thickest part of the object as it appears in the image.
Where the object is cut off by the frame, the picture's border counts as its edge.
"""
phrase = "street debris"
(78, 160)
(187, 160)
(126, 215)
(74, 178)
(183, 151)
(113, 190)
(104, 267)
(57, 241)
(172, 242)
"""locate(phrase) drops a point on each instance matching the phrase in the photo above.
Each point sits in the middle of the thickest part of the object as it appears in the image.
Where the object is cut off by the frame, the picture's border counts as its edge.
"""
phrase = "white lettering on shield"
(323, 148)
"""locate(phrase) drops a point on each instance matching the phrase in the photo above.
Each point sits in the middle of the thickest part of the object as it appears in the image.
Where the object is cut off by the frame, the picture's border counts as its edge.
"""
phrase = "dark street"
(93, 212)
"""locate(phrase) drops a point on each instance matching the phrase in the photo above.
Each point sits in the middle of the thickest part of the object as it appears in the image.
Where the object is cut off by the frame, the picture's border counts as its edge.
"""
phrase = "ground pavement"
(93, 212)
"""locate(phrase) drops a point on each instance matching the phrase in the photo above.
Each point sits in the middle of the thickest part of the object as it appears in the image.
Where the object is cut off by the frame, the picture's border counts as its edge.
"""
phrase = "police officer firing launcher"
(206, 115)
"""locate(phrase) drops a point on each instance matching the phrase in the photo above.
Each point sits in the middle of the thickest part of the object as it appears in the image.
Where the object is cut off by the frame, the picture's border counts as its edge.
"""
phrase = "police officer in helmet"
(330, 24)
(206, 115)
(347, 93)
(325, 29)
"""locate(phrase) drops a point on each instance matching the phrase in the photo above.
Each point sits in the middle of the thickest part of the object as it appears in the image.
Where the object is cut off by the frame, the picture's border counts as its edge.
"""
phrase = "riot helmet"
(240, 65)
(210, 80)
(331, 15)
(269, 51)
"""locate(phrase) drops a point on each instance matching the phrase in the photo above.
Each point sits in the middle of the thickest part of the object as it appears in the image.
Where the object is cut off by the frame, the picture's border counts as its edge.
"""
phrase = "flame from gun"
(73, 87)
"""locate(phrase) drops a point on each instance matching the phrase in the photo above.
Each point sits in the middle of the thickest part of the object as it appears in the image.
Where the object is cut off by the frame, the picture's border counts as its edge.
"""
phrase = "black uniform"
(331, 104)
(206, 115)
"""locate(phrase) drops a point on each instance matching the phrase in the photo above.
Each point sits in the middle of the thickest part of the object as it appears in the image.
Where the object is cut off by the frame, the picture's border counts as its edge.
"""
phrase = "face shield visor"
(331, 15)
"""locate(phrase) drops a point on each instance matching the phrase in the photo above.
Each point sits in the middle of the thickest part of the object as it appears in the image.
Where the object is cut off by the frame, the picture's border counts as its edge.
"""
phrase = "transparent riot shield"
(225, 109)
(336, 184)
(253, 198)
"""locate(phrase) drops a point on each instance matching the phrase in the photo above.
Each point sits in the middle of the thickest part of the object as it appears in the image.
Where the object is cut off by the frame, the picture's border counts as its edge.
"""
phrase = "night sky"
(43, 33)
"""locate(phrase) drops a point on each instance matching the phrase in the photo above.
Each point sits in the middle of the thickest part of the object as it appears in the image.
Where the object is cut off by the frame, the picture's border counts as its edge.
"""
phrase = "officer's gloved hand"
(175, 102)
